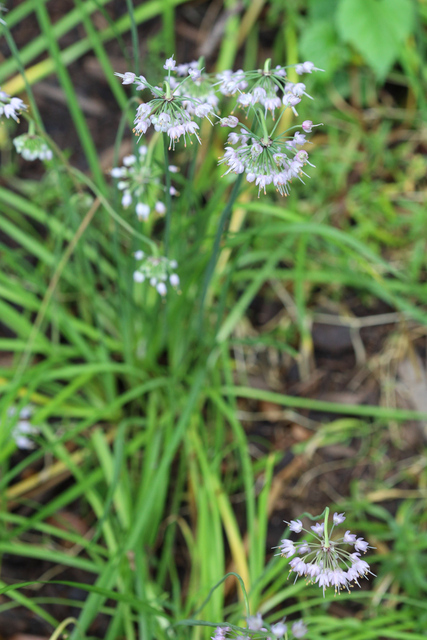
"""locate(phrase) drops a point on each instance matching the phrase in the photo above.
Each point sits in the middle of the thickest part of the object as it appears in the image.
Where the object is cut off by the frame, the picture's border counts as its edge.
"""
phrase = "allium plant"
(257, 151)
(323, 560)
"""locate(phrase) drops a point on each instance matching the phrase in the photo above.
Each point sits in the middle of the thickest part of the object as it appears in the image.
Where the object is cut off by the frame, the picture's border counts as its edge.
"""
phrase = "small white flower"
(245, 99)
(230, 121)
(255, 623)
(128, 78)
(126, 199)
(299, 566)
(195, 74)
(170, 64)
(361, 545)
(306, 67)
(349, 538)
(338, 518)
(129, 160)
(318, 528)
(299, 629)
(138, 276)
(161, 288)
(287, 548)
(142, 211)
(174, 280)
(160, 208)
(138, 255)
(279, 629)
(295, 525)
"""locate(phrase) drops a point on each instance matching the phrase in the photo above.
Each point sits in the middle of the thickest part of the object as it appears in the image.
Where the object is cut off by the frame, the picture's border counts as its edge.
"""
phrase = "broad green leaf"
(377, 29)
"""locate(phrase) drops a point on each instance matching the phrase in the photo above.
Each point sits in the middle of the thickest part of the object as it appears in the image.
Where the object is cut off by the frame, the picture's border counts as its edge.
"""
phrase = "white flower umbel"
(32, 147)
(173, 108)
(263, 156)
(157, 270)
(324, 561)
(11, 107)
(266, 160)
(139, 181)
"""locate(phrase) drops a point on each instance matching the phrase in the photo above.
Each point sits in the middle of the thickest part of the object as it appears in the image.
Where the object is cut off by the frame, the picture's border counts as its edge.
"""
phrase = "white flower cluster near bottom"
(32, 147)
(139, 181)
(157, 270)
(325, 562)
(269, 632)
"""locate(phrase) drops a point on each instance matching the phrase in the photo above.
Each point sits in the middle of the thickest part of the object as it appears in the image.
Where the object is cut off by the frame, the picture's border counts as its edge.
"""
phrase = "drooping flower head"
(173, 108)
(265, 157)
(323, 560)
(32, 147)
(159, 271)
(139, 179)
(266, 160)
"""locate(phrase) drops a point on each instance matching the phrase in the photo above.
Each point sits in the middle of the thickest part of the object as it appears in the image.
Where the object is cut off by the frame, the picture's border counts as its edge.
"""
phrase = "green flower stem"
(216, 248)
(267, 65)
(264, 127)
(325, 529)
(168, 192)
(16, 55)
(134, 32)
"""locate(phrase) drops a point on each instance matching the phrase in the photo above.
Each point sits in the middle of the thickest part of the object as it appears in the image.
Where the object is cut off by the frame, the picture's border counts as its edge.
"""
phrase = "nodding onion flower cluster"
(11, 107)
(172, 109)
(191, 94)
(324, 561)
(264, 159)
(32, 147)
(157, 270)
(139, 180)
(261, 630)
